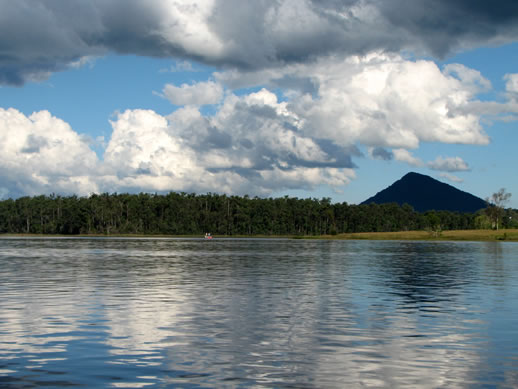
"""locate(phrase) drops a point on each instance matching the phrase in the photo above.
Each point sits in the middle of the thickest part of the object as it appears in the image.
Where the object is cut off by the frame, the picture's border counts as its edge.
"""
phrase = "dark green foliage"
(190, 214)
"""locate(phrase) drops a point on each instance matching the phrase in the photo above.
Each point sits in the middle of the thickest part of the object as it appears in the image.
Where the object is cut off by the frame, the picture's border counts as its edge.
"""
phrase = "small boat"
(208, 235)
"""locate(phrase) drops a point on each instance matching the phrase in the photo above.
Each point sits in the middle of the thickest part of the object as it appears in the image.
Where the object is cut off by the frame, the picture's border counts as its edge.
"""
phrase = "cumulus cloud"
(265, 151)
(259, 143)
(42, 154)
(141, 154)
(201, 93)
(379, 100)
(252, 145)
(336, 67)
(406, 156)
(38, 37)
(449, 164)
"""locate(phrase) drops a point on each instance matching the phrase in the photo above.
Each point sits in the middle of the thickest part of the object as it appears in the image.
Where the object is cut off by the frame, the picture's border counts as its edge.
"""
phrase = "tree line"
(191, 214)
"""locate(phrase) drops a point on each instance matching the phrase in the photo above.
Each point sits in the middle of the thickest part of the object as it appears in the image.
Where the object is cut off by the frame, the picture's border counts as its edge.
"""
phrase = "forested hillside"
(188, 214)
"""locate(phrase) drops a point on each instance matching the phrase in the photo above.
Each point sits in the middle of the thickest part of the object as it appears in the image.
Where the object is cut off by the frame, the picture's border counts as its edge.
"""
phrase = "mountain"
(425, 193)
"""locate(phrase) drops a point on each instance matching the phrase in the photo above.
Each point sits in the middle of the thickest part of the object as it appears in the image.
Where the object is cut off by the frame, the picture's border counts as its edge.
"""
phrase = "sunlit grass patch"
(468, 235)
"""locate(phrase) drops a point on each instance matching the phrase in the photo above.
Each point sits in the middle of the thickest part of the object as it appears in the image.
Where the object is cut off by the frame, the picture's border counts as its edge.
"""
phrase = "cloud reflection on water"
(244, 312)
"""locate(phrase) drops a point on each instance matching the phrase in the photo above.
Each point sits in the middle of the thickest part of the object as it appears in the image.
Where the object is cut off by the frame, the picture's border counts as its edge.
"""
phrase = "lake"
(241, 313)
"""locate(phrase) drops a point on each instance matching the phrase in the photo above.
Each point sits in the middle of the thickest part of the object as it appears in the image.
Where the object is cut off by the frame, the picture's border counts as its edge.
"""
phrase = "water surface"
(257, 313)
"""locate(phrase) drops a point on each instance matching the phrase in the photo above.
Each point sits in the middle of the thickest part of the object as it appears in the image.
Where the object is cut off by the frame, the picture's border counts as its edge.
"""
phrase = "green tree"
(434, 223)
(495, 206)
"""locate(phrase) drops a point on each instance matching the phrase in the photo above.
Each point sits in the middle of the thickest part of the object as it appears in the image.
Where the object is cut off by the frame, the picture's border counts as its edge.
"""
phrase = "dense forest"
(190, 214)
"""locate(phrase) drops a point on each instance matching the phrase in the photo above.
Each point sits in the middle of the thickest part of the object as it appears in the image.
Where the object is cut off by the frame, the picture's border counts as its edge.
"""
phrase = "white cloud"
(511, 83)
(142, 154)
(343, 82)
(307, 178)
(86, 60)
(258, 144)
(472, 79)
(390, 102)
(406, 156)
(451, 177)
(179, 66)
(42, 154)
(251, 145)
(449, 164)
(506, 110)
(186, 25)
(201, 93)
(377, 100)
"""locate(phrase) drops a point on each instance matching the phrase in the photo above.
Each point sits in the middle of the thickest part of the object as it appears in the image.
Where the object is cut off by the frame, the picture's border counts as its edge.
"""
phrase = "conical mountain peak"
(425, 193)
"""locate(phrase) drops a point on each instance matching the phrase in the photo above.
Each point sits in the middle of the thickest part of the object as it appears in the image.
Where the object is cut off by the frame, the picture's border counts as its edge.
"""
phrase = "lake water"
(257, 313)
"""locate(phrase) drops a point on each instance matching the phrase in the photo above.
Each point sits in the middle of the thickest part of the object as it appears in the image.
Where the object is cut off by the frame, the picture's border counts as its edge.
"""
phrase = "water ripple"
(257, 313)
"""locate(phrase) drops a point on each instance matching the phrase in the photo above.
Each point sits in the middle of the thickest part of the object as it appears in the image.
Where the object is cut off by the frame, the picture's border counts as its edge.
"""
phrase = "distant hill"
(425, 193)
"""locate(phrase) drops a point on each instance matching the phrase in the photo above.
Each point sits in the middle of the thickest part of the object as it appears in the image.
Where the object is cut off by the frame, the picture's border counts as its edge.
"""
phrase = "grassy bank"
(462, 235)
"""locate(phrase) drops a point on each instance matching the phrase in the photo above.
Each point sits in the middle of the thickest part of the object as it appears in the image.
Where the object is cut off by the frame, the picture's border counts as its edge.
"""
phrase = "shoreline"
(510, 235)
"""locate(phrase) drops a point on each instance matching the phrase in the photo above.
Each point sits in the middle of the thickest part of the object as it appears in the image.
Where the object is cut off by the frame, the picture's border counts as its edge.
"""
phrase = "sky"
(306, 98)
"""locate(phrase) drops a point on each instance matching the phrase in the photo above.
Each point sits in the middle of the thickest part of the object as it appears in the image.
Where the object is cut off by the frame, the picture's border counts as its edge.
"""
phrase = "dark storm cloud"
(38, 37)
(443, 26)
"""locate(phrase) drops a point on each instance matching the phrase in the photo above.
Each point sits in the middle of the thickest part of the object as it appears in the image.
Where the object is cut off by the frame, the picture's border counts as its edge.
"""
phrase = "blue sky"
(306, 98)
